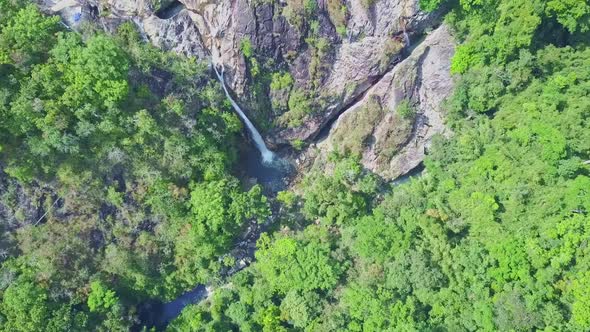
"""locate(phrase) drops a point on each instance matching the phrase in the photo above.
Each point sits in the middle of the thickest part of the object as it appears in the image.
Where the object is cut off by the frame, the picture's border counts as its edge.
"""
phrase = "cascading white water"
(267, 155)
(406, 39)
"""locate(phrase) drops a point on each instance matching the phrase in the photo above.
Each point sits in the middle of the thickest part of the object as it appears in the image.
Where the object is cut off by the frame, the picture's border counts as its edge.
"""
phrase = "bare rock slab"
(393, 124)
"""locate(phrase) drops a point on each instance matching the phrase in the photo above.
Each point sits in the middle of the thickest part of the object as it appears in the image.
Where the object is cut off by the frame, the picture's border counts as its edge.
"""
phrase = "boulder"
(179, 34)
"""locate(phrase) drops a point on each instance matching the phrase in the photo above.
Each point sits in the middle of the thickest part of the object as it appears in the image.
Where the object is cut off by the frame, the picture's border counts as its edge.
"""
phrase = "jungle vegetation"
(492, 237)
(131, 154)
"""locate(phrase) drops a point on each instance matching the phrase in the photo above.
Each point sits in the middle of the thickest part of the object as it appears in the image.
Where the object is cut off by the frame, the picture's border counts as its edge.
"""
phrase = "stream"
(157, 314)
(265, 168)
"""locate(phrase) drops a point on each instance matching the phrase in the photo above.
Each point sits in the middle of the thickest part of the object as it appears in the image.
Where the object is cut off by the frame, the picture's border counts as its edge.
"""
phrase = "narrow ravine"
(269, 170)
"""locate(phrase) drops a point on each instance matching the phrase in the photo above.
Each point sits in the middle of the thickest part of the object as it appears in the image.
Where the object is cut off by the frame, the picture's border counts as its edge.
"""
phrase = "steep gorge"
(329, 57)
(129, 188)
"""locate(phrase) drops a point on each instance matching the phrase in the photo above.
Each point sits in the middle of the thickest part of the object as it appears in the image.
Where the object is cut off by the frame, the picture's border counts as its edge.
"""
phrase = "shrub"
(391, 47)
(338, 11)
(356, 128)
(298, 144)
(406, 110)
(246, 47)
(299, 107)
(281, 81)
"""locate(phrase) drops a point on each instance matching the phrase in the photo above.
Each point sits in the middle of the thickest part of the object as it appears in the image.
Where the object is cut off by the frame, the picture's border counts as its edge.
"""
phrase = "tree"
(580, 290)
(26, 306)
(574, 15)
(96, 73)
(101, 298)
(291, 265)
(299, 308)
(338, 197)
(26, 35)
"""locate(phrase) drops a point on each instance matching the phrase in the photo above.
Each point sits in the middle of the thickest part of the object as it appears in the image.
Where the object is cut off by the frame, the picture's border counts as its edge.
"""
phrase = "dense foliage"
(116, 188)
(126, 151)
(492, 237)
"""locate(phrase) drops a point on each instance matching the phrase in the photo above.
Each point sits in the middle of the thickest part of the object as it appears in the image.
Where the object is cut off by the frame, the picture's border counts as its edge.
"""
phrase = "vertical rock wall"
(341, 52)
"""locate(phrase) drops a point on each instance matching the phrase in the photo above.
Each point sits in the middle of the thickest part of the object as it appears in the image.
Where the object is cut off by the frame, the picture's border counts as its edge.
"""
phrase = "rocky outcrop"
(334, 53)
(179, 34)
(393, 124)
(128, 7)
(373, 44)
(20, 205)
(343, 53)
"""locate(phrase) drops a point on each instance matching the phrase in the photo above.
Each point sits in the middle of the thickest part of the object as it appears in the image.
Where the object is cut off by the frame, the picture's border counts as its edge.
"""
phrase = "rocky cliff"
(393, 124)
(297, 65)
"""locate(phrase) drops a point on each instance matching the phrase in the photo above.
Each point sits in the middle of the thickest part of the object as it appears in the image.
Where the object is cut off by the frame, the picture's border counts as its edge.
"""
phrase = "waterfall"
(267, 155)
(406, 39)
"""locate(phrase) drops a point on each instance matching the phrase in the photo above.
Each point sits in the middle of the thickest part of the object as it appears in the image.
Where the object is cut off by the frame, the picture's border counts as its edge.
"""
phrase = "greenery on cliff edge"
(116, 187)
(492, 237)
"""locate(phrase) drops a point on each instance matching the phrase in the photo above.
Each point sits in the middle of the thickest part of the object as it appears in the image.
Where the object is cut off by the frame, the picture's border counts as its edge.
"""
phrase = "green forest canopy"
(493, 237)
(133, 148)
(122, 144)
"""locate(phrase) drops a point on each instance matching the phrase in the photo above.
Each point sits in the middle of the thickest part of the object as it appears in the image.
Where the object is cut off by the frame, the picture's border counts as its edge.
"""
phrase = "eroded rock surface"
(372, 44)
(341, 52)
(333, 53)
(179, 34)
(393, 124)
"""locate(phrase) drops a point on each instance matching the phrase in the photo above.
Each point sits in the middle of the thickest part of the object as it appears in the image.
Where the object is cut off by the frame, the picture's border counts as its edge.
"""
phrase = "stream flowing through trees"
(270, 171)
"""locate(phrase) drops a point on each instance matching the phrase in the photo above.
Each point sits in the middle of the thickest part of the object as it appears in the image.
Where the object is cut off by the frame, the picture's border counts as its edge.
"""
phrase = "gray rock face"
(359, 47)
(225, 24)
(129, 7)
(393, 124)
(373, 43)
(335, 58)
(179, 34)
